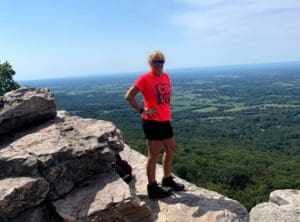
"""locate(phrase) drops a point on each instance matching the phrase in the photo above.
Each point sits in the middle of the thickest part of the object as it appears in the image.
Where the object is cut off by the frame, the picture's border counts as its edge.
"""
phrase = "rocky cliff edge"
(56, 167)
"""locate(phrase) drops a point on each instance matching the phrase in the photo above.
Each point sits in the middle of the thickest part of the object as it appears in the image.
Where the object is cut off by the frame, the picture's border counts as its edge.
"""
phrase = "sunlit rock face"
(64, 151)
(53, 168)
(283, 206)
(195, 204)
(25, 106)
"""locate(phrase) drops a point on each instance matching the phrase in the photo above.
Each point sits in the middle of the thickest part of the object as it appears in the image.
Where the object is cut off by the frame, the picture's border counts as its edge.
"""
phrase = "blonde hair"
(155, 54)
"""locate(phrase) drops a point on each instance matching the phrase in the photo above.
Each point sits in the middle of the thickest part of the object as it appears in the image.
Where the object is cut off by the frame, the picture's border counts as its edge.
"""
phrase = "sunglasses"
(157, 62)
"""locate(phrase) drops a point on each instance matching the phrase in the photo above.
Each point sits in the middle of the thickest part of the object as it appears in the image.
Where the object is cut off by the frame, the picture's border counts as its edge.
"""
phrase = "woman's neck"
(157, 73)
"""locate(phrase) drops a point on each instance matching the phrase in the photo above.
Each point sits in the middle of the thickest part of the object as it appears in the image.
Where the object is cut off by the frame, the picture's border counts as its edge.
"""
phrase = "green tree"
(6, 78)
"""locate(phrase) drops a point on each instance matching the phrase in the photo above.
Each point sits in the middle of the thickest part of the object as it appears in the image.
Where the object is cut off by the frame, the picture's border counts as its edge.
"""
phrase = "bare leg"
(153, 152)
(169, 151)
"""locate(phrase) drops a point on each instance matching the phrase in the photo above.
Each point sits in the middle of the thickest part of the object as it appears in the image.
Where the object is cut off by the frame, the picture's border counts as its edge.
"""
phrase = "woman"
(155, 88)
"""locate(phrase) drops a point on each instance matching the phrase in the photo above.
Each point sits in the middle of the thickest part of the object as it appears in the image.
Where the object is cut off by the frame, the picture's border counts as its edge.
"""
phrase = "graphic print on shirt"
(162, 93)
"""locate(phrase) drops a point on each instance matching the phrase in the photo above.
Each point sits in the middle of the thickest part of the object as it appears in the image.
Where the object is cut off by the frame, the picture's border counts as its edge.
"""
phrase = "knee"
(171, 150)
(152, 156)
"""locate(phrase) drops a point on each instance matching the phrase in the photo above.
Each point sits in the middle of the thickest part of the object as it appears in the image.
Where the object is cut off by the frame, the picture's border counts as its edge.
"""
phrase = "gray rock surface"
(286, 197)
(75, 157)
(60, 166)
(42, 213)
(25, 106)
(103, 198)
(20, 193)
(283, 206)
(67, 159)
(35, 214)
(194, 204)
(63, 151)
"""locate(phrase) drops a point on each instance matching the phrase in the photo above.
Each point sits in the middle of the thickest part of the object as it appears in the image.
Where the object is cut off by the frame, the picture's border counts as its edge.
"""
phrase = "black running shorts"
(157, 130)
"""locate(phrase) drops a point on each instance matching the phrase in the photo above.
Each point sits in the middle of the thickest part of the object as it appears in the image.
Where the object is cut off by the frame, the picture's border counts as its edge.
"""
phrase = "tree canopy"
(6, 78)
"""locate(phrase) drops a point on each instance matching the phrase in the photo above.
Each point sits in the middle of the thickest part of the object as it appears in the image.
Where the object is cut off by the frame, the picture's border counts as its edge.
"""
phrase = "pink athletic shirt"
(156, 92)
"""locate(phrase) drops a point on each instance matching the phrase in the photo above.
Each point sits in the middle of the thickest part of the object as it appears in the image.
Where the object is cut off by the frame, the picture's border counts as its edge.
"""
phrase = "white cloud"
(219, 19)
(201, 3)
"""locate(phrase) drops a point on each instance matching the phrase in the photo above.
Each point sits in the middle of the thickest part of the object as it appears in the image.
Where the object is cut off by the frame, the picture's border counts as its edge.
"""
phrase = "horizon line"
(170, 69)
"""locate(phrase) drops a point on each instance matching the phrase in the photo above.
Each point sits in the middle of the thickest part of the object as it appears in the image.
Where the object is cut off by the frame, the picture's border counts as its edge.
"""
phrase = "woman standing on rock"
(155, 88)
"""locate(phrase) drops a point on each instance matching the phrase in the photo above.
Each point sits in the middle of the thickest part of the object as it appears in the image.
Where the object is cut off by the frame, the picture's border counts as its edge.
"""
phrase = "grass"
(272, 106)
(220, 118)
(206, 110)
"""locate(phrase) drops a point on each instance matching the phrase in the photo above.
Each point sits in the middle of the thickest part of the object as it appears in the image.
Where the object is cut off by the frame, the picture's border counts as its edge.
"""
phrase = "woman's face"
(157, 64)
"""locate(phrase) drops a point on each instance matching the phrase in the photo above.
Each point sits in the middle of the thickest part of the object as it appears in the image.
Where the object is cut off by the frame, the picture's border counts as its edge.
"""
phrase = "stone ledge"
(103, 198)
(194, 205)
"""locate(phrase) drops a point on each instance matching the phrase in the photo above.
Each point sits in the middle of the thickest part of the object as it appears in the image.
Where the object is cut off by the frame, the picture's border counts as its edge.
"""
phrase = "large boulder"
(72, 160)
(64, 151)
(103, 198)
(283, 206)
(194, 205)
(62, 168)
(25, 106)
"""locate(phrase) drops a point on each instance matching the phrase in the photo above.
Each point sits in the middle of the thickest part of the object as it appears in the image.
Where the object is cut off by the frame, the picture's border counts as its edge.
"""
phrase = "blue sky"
(49, 39)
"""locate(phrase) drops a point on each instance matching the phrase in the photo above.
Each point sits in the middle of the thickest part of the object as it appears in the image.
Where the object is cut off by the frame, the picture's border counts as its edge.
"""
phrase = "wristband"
(141, 110)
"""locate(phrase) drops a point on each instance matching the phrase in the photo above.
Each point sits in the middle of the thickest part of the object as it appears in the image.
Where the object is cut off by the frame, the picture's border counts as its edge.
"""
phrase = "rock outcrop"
(64, 151)
(283, 206)
(25, 106)
(102, 198)
(62, 170)
(193, 204)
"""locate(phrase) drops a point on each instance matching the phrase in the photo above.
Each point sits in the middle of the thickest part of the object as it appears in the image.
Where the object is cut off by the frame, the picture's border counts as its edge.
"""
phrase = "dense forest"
(237, 128)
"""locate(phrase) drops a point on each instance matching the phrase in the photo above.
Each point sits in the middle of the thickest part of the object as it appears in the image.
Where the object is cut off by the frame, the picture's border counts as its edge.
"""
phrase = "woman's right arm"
(130, 97)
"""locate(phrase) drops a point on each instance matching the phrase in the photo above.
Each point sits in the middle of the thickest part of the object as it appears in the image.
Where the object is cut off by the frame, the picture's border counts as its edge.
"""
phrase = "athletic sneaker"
(156, 191)
(169, 182)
